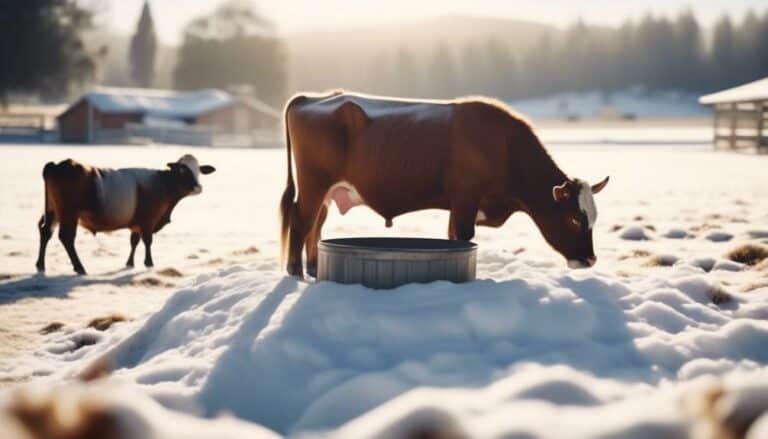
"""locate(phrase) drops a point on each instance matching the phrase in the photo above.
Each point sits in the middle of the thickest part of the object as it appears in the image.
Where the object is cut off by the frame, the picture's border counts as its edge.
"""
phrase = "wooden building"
(200, 117)
(740, 116)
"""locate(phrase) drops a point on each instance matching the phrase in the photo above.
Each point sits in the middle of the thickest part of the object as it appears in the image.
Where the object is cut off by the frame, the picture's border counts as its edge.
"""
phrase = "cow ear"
(599, 186)
(561, 192)
(172, 165)
(207, 169)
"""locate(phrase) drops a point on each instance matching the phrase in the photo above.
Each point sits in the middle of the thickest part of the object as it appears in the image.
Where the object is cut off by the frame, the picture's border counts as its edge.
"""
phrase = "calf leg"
(312, 240)
(134, 243)
(45, 226)
(67, 233)
(303, 214)
(146, 237)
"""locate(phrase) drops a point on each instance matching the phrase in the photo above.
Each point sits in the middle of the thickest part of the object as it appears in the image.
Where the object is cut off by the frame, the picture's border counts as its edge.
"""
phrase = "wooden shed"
(740, 116)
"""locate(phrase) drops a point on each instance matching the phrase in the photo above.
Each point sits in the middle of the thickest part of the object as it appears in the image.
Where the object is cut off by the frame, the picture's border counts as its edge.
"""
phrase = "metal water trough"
(385, 263)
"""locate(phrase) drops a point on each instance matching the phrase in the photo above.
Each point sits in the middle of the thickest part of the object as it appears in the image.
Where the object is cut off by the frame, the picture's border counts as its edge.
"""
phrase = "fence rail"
(22, 125)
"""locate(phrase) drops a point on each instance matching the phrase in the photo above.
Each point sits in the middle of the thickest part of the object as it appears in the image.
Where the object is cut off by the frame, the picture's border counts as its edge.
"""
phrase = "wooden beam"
(760, 110)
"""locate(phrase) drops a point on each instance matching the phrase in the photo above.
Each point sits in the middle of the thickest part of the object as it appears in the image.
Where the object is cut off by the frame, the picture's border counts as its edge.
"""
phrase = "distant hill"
(345, 58)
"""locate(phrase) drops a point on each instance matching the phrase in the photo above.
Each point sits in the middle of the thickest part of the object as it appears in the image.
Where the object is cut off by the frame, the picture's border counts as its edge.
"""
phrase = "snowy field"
(665, 337)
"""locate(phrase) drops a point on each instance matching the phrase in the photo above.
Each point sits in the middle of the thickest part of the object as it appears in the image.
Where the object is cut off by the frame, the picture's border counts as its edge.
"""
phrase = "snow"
(158, 104)
(628, 348)
(752, 91)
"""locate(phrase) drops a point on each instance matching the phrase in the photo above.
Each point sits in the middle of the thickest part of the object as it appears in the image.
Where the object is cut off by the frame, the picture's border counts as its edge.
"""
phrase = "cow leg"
(463, 216)
(451, 226)
(134, 242)
(146, 237)
(313, 238)
(303, 216)
(45, 226)
(67, 233)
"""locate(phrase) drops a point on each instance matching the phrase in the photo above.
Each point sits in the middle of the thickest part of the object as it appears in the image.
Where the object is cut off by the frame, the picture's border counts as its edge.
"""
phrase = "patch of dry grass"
(246, 251)
(661, 261)
(749, 254)
(51, 327)
(718, 295)
(106, 322)
(635, 254)
(170, 272)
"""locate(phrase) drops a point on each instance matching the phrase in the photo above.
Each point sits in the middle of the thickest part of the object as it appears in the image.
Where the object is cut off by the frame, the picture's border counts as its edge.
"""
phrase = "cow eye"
(576, 222)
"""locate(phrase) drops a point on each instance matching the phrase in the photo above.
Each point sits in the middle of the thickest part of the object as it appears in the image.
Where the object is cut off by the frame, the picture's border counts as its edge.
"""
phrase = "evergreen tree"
(233, 46)
(407, 73)
(142, 51)
(723, 60)
(443, 78)
(41, 51)
(747, 42)
(688, 60)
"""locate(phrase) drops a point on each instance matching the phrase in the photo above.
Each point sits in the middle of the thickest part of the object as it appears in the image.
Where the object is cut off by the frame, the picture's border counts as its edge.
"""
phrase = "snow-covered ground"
(665, 337)
(632, 102)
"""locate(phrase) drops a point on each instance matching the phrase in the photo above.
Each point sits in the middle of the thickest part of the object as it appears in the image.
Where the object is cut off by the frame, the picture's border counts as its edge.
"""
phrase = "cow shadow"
(60, 286)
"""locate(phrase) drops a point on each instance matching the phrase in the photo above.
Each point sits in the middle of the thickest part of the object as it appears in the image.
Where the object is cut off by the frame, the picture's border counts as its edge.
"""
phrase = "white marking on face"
(480, 216)
(191, 162)
(587, 203)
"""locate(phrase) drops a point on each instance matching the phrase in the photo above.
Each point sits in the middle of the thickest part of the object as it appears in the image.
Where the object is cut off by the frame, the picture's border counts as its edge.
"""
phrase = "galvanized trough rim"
(396, 244)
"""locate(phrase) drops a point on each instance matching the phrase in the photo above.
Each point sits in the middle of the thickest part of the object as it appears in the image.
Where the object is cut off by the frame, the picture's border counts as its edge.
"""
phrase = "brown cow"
(103, 199)
(471, 156)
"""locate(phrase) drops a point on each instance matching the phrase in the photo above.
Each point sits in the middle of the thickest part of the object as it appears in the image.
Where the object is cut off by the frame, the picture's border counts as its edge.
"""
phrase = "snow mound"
(634, 233)
(719, 236)
(299, 357)
(676, 233)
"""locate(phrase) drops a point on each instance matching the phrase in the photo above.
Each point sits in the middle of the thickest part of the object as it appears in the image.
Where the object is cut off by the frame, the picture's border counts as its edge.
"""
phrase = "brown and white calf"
(104, 199)
(471, 156)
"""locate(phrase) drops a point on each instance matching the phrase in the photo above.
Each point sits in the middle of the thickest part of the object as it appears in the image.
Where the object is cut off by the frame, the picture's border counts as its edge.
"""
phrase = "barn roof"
(753, 91)
(166, 103)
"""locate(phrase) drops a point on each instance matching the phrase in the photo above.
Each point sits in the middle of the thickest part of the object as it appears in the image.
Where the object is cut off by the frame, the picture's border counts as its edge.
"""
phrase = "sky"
(302, 15)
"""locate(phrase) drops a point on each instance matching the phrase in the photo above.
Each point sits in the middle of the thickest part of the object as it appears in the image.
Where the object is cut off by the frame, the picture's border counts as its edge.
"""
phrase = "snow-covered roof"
(165, 103)
(753, 91)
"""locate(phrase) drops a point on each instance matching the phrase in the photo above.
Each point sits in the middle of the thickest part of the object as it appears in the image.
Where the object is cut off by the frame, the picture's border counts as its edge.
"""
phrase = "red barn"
(200, 117)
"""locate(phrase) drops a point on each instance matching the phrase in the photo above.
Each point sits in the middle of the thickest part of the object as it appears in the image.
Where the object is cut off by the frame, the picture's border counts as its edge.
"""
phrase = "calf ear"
(207, 169)
(560, 193)
(599, 186)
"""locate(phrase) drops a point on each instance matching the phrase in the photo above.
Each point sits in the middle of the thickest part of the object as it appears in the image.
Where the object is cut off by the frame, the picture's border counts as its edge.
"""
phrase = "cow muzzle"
(579, 263)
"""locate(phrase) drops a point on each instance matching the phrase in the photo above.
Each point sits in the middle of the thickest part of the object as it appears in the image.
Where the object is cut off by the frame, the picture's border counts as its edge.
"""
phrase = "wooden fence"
(22, 125)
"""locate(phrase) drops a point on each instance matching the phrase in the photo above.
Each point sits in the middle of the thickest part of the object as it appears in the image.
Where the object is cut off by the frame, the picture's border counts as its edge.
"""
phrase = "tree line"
(42, 52)
(658, 53)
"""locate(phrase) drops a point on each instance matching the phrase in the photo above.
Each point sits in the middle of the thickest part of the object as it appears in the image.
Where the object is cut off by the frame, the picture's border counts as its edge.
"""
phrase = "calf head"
(186, 174)
(569, 227)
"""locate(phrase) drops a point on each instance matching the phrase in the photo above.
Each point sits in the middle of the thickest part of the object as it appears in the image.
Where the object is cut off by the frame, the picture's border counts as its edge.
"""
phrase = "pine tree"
(235, 45)
(41, 51)
(723, 54)
(143, 47)
(443, 73)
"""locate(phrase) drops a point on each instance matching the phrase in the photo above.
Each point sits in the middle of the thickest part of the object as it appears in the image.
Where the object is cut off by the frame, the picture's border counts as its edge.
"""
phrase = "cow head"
(186, 173)
(569, 227)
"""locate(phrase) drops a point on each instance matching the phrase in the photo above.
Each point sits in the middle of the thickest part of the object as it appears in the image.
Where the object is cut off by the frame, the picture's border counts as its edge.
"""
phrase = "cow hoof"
(295, 269)
(312, 270)
(40, 268)
(149, 264)
(80, 271)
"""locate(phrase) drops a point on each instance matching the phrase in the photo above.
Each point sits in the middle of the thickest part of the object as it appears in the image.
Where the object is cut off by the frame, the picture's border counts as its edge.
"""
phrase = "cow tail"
(48, 171)
(286, 203)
